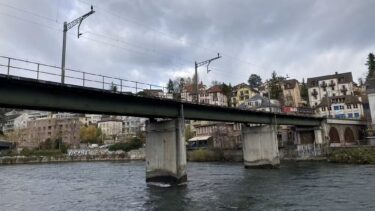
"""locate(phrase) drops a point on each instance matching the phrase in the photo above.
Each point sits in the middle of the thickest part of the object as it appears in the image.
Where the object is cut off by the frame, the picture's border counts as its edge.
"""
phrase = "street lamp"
(68, 26)
(198, 64)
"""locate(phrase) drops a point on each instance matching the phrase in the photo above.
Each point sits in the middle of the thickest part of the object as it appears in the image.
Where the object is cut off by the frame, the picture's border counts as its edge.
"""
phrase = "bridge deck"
(18, 92)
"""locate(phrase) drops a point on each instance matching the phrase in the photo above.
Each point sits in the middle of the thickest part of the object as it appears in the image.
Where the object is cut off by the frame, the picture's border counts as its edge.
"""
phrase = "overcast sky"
(152, 41)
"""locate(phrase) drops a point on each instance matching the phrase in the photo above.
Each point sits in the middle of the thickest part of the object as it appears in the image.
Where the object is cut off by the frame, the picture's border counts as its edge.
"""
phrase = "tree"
(113, 87)
(274, 86)
(255, 81)
(304, 91)
(360, 81)
(227, 89)
(90, 134)
(371, 66)
(170, 86)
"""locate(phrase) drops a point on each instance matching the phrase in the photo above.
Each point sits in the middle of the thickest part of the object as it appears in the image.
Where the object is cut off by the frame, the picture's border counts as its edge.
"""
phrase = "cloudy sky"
(152, 41)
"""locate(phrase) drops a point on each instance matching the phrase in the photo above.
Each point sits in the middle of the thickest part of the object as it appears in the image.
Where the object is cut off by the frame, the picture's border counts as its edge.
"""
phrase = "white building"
(111, 127)
(133, 125)
(21, 121)
(371, 100)
(212, 96)
(341, 107)
(339, 84)
(260, 103)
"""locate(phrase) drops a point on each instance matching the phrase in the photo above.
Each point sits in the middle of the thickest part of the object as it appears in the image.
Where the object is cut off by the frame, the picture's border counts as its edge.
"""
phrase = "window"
(341, 107)
(356, 115)
(336, 108)
(355, 105)
(348, 106)
(350, 116)
(329, 108)
(333, 94)
(323, 108)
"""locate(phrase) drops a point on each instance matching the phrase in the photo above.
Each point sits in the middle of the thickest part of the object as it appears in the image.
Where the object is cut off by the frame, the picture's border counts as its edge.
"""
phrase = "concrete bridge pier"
(260, 148)
(166, 151)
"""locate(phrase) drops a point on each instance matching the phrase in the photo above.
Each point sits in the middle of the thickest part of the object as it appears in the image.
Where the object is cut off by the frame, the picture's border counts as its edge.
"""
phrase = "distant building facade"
(260, 103)
(38, 131)
(291, 93)
(241, 93)
(110, 127)
(211, 96)
(339, 84)
(341, 107)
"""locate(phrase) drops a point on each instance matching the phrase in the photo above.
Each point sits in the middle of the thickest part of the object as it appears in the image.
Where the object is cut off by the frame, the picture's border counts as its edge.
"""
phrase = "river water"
(211, 186)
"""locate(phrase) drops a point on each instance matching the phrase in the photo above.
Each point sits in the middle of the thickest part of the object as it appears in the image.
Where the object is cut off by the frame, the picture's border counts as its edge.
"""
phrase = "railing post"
(8, 66)
(83, 80)
(150, 86)
(136, 87)
(103, 82)
(37, 73)
(121, 85)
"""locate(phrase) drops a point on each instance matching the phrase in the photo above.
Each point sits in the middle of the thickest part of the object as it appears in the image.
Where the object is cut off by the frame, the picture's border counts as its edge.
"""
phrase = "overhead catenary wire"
(140, 50)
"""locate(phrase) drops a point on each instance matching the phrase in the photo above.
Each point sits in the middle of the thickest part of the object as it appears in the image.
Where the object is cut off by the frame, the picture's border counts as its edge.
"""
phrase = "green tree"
(113, 87)
(255, 81)
(304, 91)
(170, 86)
(90, 134)
(371, 66)
(227, 89)
(274, 86)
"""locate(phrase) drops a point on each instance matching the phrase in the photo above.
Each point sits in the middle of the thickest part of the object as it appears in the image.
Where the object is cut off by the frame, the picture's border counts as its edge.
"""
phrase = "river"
(211, 186)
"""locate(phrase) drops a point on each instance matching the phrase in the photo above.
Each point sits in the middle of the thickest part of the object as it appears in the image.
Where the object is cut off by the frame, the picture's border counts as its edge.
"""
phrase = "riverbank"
(352, 155)
(59, 158)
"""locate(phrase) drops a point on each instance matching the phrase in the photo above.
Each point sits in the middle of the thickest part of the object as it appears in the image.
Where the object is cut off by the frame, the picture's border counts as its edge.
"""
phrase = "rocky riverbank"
(138, 154)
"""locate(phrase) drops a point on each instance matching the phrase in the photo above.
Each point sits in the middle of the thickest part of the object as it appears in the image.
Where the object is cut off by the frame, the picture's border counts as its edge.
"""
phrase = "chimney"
(336, 73)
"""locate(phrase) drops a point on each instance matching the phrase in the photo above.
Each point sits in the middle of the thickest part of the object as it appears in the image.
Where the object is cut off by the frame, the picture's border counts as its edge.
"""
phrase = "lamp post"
(68, 26)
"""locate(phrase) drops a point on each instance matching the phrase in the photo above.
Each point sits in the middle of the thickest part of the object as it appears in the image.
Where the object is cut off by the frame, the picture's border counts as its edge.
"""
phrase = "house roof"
(190, 87)
(347, 78)
(216, 88)
(290, 84)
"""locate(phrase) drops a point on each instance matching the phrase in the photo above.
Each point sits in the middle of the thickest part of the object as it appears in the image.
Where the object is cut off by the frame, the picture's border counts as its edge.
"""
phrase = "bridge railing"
(45, 72)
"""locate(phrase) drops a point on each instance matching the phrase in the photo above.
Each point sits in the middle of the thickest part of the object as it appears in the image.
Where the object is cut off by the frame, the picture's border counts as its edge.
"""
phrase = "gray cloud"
(154, 40)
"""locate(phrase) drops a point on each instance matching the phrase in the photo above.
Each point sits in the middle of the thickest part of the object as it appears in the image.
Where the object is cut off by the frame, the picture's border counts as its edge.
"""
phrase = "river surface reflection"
(211, 186)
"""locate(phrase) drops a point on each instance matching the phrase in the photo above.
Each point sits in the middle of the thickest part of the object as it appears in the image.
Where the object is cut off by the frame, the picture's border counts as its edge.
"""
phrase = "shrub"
(135, 143)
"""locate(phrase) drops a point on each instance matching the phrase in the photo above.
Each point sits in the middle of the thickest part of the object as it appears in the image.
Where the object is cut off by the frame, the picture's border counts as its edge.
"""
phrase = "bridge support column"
(260, 148)
(166, 152)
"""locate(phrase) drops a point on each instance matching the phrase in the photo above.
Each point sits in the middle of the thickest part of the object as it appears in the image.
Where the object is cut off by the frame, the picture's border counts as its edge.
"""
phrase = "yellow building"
(241, 93)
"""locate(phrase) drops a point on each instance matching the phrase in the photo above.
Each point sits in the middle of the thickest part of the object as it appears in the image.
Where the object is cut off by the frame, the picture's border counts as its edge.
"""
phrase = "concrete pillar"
(260, 147)
(166, 152)
(318, 133)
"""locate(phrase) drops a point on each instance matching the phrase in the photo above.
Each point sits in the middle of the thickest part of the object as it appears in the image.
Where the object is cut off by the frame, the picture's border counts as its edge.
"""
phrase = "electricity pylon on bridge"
(68, 26)
(198, 64)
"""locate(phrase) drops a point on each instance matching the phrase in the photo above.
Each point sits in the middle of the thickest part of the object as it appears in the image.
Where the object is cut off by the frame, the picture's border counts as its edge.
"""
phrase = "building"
(38, 131)
(260, 103)
(241, 93)
(291, 93)
(370, 90)
(211, 96)
(9, 118)
(339, 84)
(216, 135)
(131, 126)
(111, 127)
(90, 119)
(341, 107)
(214, 96)
(187, 93)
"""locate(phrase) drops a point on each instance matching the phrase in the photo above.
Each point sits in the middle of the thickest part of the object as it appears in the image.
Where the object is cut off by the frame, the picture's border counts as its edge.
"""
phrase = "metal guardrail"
(18, 67)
